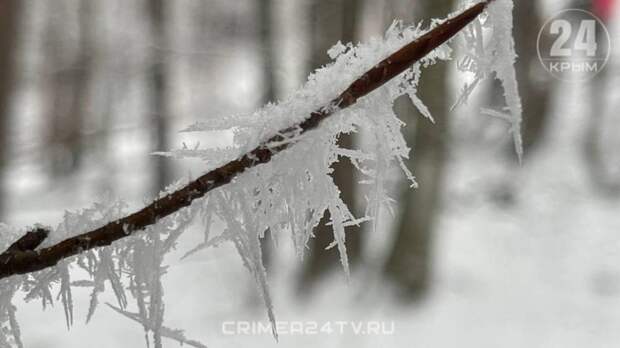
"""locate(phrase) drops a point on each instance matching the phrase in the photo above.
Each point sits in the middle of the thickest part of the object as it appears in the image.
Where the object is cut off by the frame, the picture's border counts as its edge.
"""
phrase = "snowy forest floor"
(541, 270)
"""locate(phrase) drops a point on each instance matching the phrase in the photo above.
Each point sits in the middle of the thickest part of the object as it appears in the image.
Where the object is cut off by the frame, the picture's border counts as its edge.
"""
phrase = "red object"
(603, 8)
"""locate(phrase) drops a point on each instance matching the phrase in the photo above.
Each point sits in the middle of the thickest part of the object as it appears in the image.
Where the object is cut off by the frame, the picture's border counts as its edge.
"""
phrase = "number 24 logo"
(584, 41)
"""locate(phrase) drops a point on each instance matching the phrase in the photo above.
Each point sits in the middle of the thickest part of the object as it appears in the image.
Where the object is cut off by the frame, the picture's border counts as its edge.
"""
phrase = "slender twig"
(27, 261)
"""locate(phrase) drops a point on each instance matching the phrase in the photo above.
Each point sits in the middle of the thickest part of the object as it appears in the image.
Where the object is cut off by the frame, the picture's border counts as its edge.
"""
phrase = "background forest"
(485, 253)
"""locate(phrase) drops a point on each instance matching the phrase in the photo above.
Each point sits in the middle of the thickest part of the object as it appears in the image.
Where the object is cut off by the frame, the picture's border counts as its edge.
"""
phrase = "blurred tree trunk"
(409, 262)
(604, 172)
(350, 18)
(265, 21)
(159, 85)
(158, 91)
(9, 22)
(332, 21)
(267, 49)
(71, 72)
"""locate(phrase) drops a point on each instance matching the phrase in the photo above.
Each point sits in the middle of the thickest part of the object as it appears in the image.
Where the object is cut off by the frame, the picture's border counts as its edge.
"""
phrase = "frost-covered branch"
(29, 242)
(26, 261)
(258, 187)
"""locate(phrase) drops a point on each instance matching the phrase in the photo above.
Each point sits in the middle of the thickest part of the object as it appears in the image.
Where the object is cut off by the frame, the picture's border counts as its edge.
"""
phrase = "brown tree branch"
(30, 241)
(30, 261)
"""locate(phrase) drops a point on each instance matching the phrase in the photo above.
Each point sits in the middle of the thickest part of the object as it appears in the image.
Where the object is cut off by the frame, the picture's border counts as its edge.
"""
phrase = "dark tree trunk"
(9, 22)
(409, 262)
(70, 92)
(332, 21)
(267, 49)
(264, 19)
(159, 86)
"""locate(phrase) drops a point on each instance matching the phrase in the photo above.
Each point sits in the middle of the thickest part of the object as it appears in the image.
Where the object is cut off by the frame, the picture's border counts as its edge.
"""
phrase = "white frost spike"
(419, 104)
(14, 326)
(173, 334)
(242, 231)
(65, 292)
(337, 218)
(497, 114)
(498, 57)
(500, 19)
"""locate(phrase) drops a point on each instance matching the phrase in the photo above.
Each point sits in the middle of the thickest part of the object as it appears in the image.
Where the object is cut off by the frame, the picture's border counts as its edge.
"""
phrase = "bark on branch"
(22, 262)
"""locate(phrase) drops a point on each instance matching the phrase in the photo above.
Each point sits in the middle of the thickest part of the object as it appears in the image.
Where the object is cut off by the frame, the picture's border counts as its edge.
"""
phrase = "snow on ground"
(540, 269)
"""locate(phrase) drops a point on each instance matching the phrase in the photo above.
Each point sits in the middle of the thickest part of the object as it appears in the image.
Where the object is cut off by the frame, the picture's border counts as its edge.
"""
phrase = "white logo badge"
(574, 45)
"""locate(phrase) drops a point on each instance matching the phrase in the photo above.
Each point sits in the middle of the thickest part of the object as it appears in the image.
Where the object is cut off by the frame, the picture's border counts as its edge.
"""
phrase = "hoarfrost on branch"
(287, 196)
